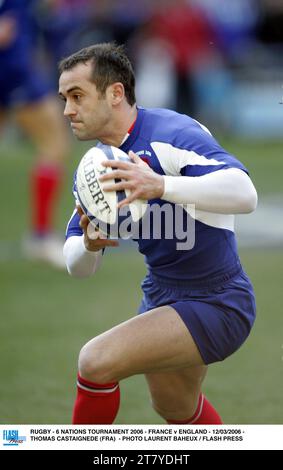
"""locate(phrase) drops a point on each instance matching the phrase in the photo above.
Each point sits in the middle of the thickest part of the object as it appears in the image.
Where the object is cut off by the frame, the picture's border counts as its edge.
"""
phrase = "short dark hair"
(110, 64)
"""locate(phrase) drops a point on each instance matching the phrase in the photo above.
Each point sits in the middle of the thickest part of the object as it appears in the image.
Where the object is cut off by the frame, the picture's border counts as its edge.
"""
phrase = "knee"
(95, 364)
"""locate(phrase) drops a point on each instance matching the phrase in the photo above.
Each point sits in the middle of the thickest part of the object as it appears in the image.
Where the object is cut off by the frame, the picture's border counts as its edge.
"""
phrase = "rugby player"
(198, 304)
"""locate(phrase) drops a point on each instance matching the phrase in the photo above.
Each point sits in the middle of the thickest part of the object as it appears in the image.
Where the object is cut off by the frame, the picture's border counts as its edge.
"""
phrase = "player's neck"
(122, 122)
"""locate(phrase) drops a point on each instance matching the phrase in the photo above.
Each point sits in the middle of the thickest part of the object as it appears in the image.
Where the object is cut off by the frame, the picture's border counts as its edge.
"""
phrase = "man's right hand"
(94, 240)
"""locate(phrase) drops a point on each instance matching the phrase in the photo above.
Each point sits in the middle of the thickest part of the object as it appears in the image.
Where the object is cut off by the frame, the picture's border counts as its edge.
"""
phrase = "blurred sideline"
(263, 228)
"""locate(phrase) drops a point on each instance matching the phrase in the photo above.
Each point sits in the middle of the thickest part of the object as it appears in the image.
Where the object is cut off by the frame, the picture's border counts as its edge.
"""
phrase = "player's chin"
(79, 134)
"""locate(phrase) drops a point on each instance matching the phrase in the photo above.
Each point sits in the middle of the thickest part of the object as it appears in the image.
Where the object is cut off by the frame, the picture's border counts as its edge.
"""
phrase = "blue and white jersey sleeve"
(193, 152)
(73, 227)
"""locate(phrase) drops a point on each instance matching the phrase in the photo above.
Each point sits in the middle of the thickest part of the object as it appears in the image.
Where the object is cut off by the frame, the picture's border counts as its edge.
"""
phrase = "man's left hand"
(137, 177)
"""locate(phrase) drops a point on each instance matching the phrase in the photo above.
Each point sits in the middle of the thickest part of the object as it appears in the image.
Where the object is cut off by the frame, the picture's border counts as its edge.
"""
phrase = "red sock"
(45, 182)
(95, 403)
(205, 414)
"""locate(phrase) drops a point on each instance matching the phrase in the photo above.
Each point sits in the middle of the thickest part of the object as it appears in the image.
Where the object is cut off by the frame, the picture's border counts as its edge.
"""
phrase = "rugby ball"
(101, 206)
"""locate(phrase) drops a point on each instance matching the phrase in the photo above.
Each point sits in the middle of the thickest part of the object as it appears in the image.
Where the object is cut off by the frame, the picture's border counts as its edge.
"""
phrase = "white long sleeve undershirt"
(80, 262)
(228, 191)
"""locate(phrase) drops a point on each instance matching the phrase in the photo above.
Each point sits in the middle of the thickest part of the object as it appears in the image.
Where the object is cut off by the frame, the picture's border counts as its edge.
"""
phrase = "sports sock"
(96, 403)
(46, 180)
(205, 414)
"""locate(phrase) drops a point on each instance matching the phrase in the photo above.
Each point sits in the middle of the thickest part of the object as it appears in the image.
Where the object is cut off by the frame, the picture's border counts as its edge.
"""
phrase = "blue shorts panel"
(219, 318)
(23, 85)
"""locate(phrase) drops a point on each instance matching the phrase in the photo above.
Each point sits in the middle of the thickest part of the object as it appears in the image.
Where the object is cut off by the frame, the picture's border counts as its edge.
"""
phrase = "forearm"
(79, 261)
(224, 192)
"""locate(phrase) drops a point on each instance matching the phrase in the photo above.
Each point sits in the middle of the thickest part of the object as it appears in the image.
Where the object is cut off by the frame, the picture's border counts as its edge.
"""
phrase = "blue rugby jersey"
(175, 144)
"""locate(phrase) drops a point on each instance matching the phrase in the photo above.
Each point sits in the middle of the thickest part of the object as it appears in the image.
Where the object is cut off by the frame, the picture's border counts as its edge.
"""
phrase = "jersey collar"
(133, 132)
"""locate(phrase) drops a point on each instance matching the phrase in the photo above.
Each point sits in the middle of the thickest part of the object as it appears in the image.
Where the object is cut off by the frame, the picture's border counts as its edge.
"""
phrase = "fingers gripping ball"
(101, 206)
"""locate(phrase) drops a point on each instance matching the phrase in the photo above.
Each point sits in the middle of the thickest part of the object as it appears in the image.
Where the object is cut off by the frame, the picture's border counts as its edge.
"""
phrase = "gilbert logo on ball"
(101, 206)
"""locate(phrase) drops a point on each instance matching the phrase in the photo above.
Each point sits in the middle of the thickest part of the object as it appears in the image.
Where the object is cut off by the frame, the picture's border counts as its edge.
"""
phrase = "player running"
(198, 305)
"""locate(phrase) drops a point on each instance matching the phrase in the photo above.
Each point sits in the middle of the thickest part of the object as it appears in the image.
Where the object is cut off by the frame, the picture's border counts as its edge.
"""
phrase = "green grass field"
(46, 316)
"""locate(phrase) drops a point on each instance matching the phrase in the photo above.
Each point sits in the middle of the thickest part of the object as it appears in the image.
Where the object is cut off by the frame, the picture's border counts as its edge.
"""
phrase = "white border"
(143, 437)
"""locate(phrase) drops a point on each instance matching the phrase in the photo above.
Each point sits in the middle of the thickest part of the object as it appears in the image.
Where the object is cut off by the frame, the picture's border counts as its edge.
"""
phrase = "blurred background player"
(187, 36)
(27, 94)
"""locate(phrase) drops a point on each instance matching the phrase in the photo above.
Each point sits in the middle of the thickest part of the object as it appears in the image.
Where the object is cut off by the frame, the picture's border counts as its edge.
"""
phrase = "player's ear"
(116, 93)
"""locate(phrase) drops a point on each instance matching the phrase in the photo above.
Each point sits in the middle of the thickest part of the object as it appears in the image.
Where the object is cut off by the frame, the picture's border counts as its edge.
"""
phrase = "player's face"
(89, 112)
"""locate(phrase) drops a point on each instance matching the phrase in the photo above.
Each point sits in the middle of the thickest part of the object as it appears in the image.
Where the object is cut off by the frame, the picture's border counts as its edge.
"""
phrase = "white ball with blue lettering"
(101, 206)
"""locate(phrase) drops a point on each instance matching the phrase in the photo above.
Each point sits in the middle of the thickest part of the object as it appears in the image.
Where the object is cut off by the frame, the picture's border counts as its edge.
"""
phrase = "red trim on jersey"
(132, 126)
(145, 160)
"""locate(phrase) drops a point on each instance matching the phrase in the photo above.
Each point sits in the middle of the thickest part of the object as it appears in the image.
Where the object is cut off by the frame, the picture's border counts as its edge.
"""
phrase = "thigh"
(43, 123)
(175, 394)
(155, 341)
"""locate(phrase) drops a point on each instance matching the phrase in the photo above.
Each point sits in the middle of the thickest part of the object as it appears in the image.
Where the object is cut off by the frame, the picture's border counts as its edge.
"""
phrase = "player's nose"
(68, 110)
